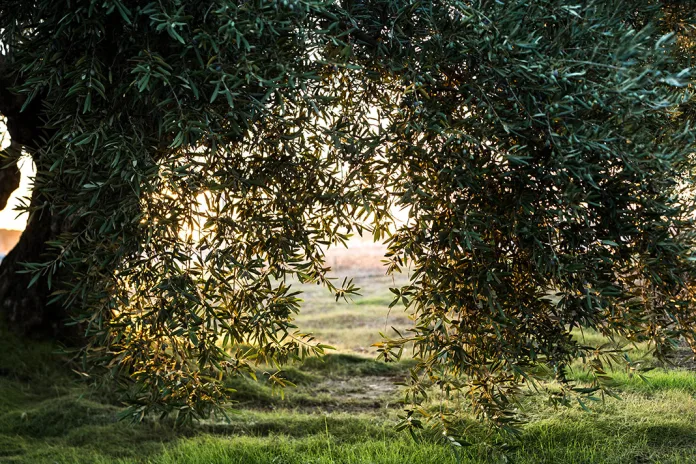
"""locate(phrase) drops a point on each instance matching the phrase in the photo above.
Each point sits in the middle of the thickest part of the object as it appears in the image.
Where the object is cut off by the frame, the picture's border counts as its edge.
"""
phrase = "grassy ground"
(343, 410)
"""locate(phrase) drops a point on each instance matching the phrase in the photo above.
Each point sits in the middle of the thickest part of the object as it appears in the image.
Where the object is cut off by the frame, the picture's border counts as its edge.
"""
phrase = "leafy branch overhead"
(199, 154)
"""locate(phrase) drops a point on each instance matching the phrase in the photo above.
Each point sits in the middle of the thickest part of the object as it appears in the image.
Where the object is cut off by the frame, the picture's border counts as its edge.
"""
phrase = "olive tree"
(193, 156)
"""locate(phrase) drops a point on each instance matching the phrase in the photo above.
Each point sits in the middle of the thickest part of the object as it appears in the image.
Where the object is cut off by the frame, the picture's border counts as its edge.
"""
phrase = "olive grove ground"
(342, 410)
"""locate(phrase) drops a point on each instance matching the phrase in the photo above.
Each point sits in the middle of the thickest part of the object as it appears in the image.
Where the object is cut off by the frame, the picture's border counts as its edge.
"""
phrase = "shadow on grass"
(79, 430)
(670, 435)
(353, 365)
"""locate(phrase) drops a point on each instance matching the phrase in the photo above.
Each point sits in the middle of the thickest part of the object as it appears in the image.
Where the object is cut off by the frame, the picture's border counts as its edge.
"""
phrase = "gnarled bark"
(25, 308)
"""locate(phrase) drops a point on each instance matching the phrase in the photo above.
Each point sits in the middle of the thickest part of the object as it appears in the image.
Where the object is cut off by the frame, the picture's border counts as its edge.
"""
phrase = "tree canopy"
(193, 156)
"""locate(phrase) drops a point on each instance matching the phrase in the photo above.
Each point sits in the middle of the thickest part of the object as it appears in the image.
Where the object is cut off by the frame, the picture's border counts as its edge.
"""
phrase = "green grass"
(653, 381)
(637, 428)
(657, 429)
(315, 449)
(343, 410)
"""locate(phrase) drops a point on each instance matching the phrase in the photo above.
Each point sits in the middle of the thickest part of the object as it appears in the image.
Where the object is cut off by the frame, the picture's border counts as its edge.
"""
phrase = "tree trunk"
(25, 308)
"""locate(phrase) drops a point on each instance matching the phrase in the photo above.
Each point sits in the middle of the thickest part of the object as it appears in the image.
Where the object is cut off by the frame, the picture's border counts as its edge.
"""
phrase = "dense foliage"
(201, 153)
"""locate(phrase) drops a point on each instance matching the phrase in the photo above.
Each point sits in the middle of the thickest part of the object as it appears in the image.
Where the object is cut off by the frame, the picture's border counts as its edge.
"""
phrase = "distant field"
(343, 409)
(353, 326)
(362, 257)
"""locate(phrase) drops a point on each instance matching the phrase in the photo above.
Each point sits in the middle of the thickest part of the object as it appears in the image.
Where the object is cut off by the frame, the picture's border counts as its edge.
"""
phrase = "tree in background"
(192, 156)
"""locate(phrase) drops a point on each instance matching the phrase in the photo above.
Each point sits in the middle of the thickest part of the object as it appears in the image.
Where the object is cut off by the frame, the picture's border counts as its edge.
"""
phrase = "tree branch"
(25, 127)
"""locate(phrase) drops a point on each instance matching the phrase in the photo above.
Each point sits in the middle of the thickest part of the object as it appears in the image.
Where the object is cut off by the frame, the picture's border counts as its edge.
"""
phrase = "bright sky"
(8, 216)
